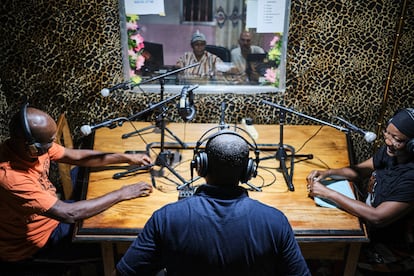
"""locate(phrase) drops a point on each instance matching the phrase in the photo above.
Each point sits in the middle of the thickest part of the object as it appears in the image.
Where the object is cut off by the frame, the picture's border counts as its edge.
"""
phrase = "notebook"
(341, 186)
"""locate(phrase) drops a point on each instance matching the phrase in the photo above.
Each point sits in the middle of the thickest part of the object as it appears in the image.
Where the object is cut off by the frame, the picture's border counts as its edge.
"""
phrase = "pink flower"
(132, 25)
(270, 75)
(131, 53)
(140, 62)
(139, 41)
(274, 41)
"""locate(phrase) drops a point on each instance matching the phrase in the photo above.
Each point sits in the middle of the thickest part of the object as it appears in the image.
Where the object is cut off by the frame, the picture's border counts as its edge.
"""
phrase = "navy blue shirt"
(217, 231)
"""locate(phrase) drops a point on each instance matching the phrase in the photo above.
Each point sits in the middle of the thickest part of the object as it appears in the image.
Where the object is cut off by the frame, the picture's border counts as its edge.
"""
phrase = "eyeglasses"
(397, 142)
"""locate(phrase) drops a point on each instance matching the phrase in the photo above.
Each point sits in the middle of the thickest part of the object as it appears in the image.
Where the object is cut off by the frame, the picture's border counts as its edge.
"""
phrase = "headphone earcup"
(200, 163)
(200, 158)
(410, 146)
(251, 171)
(31, 144)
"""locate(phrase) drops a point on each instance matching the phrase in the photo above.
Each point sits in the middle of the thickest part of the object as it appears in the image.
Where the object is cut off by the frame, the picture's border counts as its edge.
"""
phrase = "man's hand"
(135, 190)
(138, 159)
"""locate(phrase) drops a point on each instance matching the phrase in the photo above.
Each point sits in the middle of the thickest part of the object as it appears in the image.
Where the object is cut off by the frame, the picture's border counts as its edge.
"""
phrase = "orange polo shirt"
(25, 193)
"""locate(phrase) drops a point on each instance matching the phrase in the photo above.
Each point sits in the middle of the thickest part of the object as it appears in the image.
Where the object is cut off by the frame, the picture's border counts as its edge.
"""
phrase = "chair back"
(64, 138)
(222, 52)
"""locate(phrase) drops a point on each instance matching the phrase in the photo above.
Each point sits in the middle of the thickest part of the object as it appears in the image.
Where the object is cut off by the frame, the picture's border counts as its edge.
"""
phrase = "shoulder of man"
(257, 50)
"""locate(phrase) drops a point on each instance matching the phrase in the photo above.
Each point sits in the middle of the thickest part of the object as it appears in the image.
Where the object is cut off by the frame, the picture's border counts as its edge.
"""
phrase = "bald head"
(37, 126)
(245, 41)
(228, 156)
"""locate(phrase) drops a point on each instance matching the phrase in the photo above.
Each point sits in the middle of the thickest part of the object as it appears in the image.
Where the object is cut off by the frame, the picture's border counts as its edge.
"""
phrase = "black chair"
(222, 52)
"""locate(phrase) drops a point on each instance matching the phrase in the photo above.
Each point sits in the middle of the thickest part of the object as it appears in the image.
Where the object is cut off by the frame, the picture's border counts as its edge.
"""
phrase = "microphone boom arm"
(166, 74)
(346, 130)
(153, 107)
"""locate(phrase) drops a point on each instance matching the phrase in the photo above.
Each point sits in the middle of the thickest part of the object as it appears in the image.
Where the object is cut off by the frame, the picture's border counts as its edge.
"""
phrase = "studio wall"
(343, 60)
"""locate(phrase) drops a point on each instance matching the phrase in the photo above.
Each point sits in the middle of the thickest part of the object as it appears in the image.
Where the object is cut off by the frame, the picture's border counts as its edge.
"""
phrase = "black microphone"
(368, 135)
(186, 107)
(124, 85)
(222, 123)
(87, 129)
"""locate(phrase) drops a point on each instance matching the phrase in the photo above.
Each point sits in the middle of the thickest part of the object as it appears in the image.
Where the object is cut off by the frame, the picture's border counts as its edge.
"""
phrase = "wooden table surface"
(311, 224)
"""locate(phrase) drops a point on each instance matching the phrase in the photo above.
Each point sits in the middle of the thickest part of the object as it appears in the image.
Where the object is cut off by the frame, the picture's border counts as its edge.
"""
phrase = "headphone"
(200, 158)
(186, 108)
(35, 148)
(410, 143)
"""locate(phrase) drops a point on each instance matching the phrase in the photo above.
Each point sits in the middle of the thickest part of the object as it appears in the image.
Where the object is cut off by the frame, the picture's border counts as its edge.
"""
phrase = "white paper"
(251, 14)
(341, 186)
(144, 7)
(270, 16)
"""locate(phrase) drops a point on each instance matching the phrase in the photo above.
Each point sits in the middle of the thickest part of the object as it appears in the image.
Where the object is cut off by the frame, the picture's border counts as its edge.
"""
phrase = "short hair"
(228, 156)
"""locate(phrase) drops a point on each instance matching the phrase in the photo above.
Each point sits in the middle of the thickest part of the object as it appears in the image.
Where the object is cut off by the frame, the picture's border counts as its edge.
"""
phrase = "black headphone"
(35, 148)
(186, 108)
(410, 143)
(200, 158)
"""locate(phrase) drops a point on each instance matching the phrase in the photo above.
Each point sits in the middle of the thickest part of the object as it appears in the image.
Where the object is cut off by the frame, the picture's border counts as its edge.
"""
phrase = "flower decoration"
(274, 55)
(135, 47)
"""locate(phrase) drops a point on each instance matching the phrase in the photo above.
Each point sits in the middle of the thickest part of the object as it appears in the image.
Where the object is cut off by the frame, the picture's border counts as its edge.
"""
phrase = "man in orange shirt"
(32, 218)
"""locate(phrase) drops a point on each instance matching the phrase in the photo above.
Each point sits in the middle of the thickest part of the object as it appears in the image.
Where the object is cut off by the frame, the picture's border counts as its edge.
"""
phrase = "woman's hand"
(316, 175)
(314, 186)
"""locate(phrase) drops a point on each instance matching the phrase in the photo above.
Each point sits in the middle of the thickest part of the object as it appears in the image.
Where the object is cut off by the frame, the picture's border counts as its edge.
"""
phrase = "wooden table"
(323, 233)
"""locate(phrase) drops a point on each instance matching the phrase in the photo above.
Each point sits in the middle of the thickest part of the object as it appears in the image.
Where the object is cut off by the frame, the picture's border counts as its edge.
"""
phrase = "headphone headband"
(35, 148)
(25, 123)
(220, 132)
(200, 158)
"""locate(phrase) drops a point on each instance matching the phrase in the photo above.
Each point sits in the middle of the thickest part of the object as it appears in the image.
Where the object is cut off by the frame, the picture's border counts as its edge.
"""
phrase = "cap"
(197, 36)
(404, 121)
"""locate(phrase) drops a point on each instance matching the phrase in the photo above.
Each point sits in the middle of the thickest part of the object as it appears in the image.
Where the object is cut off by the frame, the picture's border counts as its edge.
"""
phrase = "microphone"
(124, 85)
(368, 135)
(87, 129)
(222, 123)
(186, 107)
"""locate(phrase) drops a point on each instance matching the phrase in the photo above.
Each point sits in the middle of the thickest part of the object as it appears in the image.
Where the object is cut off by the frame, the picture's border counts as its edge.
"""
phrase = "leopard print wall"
(61, 53)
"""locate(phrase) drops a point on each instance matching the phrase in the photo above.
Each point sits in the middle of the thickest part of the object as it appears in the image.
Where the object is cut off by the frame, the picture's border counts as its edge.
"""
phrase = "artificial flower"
(135, 47)
(140, 62)
(274, 54)
(272, 76)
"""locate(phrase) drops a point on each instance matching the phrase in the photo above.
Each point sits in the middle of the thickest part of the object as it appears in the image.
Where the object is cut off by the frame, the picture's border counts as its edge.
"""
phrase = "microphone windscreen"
(105, 92)
(370, 137)
(86, 130)
(183, 102)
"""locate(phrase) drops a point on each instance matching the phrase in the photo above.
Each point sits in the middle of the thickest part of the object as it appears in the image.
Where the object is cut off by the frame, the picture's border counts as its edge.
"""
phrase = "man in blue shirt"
(219, 230)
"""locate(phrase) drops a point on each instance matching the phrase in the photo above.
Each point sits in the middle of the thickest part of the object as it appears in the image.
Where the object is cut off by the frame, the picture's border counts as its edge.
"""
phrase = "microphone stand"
(281, 154)
(165, 157)
(163, 154)
(160, 119)
(184, 188)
